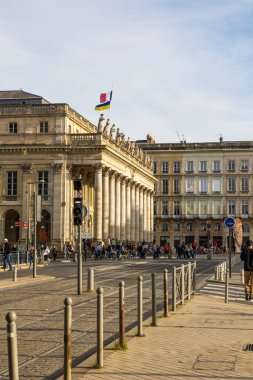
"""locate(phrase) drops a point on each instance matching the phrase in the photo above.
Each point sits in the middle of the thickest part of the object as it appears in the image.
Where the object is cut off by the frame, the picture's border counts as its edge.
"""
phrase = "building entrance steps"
(204, 339)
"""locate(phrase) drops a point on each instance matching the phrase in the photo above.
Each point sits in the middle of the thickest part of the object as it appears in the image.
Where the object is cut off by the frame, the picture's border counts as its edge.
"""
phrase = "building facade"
(199, 185)
(44, 147)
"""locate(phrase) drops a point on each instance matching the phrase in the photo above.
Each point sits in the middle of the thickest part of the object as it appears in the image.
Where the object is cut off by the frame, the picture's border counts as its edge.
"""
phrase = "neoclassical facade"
(198, 186)
(44, 147)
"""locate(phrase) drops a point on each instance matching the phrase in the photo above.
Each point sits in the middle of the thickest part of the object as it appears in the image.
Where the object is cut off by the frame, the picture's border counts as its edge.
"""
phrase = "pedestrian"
(247, 257)
(31, 256)
(54, 252)
(7, 254)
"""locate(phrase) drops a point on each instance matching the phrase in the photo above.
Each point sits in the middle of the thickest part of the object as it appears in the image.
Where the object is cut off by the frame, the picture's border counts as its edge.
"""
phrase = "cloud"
(180, 65)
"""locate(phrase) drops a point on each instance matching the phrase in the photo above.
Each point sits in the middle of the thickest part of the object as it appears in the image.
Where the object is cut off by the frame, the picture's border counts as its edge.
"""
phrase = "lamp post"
(35, 223)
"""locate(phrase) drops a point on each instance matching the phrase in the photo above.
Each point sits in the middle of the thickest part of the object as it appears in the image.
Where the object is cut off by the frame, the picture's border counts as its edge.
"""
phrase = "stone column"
(98, 204)
(26, 197)
(137, 213)
(152, 216)
(132, 223)
(57, 225)
(117, 206)
(123, 211)
(145, 215)
(128, 210)
(148, 216)
(141, 224)
(112, 206)
(106, 193)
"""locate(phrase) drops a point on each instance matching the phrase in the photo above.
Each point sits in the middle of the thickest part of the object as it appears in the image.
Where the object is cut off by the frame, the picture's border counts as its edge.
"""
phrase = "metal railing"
(183, 283)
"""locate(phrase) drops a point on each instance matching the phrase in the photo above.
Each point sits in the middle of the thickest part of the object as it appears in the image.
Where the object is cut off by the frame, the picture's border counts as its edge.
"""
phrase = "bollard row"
(220, 271)
(67, 362)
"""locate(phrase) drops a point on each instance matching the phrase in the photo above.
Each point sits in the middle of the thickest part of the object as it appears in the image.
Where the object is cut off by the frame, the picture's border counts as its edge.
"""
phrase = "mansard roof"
(20, 97)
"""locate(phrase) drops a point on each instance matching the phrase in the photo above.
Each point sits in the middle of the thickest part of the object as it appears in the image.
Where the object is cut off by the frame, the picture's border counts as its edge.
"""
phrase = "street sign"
(25, 225)
(18, 223)
(229, 222)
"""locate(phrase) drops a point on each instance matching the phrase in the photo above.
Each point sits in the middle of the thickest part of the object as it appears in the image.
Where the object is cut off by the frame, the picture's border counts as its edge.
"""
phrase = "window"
(155, 167)
(203, 185)
(165, 186)
(13, 127)
(189, 207)
(203, 207)
(245, 207)
(165, 227)
(246, 228)
(217, 208)
(231, 184)
(176, 227)
(217, 227)
(189, 184)
(165, 208)
(189, 227)
(203, 227)
(189, 166)
(176, 208)
(244, 165)
(176, 167)
(43, 187)
(43, 127)
(165, 167)
(231, 165)
(155, 208)
(216, 166)
(203, 166)
(245, 184)
(217, 185)
(231, 207)
(176, 186)
(12, 181)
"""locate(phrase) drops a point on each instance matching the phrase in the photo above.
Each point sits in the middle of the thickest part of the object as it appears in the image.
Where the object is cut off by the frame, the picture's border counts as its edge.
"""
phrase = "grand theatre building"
(44, 147)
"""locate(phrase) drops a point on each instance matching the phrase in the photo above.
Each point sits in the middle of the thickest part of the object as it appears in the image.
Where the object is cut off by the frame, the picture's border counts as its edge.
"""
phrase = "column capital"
(106, 170)
(27, 168)
(97, 167)
(57, 167)
(124, 180)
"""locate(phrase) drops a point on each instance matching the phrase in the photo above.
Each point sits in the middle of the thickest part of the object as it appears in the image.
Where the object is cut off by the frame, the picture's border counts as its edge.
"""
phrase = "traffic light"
(77, 211)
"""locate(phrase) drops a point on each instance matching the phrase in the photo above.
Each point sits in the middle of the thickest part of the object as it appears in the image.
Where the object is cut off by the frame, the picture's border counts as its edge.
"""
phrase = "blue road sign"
(229, 222)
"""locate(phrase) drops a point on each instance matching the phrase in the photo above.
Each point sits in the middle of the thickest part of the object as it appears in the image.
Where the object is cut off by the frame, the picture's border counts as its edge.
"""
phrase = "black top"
(247, 257)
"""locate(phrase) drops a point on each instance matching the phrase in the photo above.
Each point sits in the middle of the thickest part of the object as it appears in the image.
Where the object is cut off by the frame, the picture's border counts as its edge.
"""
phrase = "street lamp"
(35, 223)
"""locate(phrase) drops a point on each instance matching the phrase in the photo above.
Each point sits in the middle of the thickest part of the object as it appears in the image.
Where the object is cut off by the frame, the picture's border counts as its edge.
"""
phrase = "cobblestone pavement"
(39, 310)
(205, 339)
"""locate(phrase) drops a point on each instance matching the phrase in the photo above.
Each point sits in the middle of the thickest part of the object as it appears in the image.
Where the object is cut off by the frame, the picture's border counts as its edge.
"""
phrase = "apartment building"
(199, 185)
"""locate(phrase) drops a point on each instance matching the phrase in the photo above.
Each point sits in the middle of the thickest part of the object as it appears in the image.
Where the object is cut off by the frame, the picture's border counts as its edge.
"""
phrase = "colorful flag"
(105, 101)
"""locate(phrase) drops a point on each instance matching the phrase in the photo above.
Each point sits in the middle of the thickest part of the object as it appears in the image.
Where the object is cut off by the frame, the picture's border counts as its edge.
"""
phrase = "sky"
(179, 69)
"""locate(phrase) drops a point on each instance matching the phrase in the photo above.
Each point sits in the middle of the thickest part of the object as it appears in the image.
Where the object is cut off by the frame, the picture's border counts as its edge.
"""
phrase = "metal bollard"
(216, 273)
(15, 272)
(222, 274)
(154, 317)
(27, 258)
(100, 328)
(121, 313)
(189, 280)
(182, 284)
(67, 338)
(242, 276)
(174, 289)
(18, 261)
(166, 293)
(194, 277)
(90, 282)
(226, 286)
(12, 345)
(139, 307)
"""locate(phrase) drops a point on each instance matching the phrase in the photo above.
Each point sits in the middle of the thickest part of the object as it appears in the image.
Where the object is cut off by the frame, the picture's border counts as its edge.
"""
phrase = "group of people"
(118, 250)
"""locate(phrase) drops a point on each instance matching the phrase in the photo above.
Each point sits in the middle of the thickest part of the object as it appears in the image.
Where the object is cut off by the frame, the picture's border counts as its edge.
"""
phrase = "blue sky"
(175, 65)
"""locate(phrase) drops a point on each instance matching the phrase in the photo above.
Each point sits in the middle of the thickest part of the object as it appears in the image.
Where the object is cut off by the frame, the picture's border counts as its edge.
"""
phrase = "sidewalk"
(204, 339)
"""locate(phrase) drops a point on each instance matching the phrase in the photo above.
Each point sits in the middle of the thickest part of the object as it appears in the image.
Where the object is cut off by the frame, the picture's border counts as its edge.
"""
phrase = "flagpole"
(110, 105)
